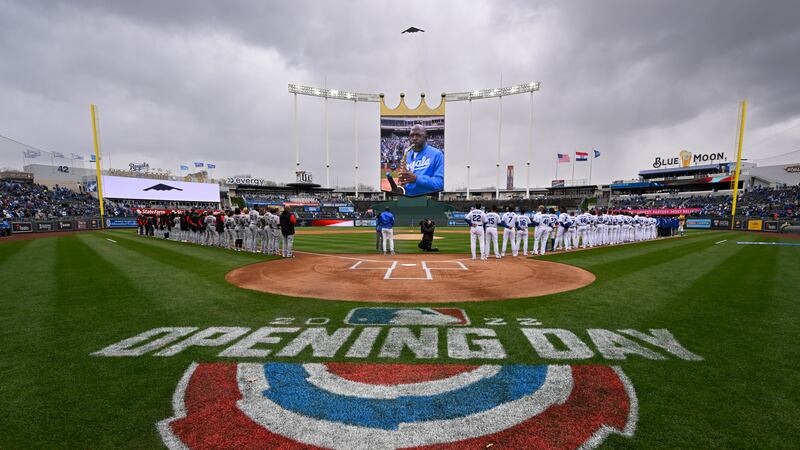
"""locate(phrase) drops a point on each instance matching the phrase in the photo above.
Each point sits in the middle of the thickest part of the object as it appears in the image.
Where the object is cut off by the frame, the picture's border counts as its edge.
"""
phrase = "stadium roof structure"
(685, 170)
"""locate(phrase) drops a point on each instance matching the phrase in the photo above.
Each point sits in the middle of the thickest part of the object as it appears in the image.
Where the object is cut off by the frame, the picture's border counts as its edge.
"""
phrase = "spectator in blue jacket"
(386, 224)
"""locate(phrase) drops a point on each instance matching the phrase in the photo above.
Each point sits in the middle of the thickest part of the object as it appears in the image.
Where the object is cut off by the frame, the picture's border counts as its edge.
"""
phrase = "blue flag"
(198, 164)
(596, 153)
(184, 167)
(211, 166)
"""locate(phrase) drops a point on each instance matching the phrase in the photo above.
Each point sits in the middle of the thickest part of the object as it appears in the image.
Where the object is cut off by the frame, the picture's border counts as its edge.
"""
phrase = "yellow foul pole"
(738, 163)
(97, 166)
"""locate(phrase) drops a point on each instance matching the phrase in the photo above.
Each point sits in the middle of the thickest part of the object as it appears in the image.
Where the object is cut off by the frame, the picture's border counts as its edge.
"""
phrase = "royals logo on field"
(406, 316)
(357, 405)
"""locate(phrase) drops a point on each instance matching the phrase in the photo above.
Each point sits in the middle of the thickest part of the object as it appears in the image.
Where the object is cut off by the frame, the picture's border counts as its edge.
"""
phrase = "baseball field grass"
(63, 298)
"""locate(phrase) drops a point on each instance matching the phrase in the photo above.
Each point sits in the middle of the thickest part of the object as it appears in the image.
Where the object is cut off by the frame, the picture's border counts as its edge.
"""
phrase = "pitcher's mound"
(410, 278)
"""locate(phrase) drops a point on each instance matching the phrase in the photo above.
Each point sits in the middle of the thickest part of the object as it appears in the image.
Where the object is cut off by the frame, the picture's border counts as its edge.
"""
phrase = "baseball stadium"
(425, 302)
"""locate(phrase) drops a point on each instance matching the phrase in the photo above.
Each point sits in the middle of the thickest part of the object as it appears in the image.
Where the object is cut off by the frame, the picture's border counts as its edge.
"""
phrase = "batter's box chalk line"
(458, 265)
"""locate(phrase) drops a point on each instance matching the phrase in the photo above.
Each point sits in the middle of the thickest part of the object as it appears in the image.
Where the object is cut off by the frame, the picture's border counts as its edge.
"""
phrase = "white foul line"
(720, 242)
(111, 240)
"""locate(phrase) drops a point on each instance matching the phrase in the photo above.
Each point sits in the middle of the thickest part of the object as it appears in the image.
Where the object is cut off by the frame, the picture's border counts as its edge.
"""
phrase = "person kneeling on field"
(427, 227)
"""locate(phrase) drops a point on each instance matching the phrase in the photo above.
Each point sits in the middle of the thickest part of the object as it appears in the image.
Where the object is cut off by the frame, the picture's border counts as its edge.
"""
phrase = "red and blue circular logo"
(355, 405)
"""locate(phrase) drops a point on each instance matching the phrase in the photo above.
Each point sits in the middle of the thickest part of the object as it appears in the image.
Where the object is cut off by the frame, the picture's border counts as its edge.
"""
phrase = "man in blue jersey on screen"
(424, 165)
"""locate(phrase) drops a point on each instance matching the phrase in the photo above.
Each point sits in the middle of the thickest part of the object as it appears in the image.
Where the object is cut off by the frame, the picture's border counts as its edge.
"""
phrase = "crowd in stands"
(35, 201)
(776, 203)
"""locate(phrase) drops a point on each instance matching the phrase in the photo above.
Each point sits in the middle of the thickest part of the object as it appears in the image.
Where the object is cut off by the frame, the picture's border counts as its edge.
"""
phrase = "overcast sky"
(206, 80)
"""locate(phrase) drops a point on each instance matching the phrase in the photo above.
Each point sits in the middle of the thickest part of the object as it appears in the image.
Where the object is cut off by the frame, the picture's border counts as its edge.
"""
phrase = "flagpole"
(557, 162)
(591, 162)
(573, 168)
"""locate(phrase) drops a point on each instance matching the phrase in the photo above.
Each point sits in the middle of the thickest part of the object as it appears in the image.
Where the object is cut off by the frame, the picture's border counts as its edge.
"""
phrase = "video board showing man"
(412, 155)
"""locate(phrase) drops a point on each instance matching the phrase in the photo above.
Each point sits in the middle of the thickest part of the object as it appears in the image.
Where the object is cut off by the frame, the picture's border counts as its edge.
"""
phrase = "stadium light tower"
(334, 94)
(500, 92)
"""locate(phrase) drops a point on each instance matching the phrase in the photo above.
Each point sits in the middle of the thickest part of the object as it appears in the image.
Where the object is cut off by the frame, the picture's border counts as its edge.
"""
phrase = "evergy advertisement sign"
(152, 189)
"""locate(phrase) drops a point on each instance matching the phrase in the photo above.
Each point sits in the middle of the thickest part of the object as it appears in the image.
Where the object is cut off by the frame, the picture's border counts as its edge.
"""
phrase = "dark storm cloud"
(206, 80)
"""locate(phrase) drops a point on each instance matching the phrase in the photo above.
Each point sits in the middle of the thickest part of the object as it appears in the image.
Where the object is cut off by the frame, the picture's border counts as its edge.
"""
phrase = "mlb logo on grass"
(407, 316)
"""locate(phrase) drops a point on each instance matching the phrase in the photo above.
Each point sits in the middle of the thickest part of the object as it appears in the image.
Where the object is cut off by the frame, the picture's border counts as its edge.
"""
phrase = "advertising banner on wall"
(412, 149)
(698, 223)
(771, 226)
(21, 227)
(153, 189)
(755, 224)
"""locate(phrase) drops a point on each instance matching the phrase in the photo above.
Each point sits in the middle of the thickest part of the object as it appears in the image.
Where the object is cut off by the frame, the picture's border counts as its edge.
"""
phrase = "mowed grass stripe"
(28, 288)
(718, 316)
(224, 257)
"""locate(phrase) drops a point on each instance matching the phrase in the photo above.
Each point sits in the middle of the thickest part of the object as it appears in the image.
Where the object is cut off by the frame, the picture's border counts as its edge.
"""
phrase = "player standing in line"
(263, 225)
(583, 230)
(547, 224)
(176, 225)
(230, 224)
(562, 224)
(247, 236)
(276, 231)
(476, 220)
(681, 223)
(600, 228)
(592, 232)
(537, 222)
(219, 226)
(386, 221)
(492, 220)
(254, 231)
(509, 222)
(238, 229)
(572, 231)
(523, 222)
(211, 229)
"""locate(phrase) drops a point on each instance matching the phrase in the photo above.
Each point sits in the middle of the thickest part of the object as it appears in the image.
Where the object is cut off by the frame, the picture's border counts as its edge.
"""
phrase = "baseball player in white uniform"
(538, 228)
(548, 224)
(583, 229)
(254, 231)
(523, 222)
(229, 233)
(572, 231)
(561, 232)
(275, 228)
(476, 220)
(492, 221)
(509, 222)
(211, 229)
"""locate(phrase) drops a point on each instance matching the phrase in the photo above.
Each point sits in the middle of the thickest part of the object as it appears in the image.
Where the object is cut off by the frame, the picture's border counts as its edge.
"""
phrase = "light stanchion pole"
(327, 149)
(469, 144)
(355, 126)
(530, 152)
(296, 137)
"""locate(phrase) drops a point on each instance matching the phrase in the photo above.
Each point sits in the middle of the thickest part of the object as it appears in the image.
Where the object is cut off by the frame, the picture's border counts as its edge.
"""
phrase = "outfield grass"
(66, 297)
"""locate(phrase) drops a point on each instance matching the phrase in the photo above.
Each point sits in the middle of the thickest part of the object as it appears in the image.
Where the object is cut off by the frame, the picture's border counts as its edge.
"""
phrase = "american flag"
(563, 158)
